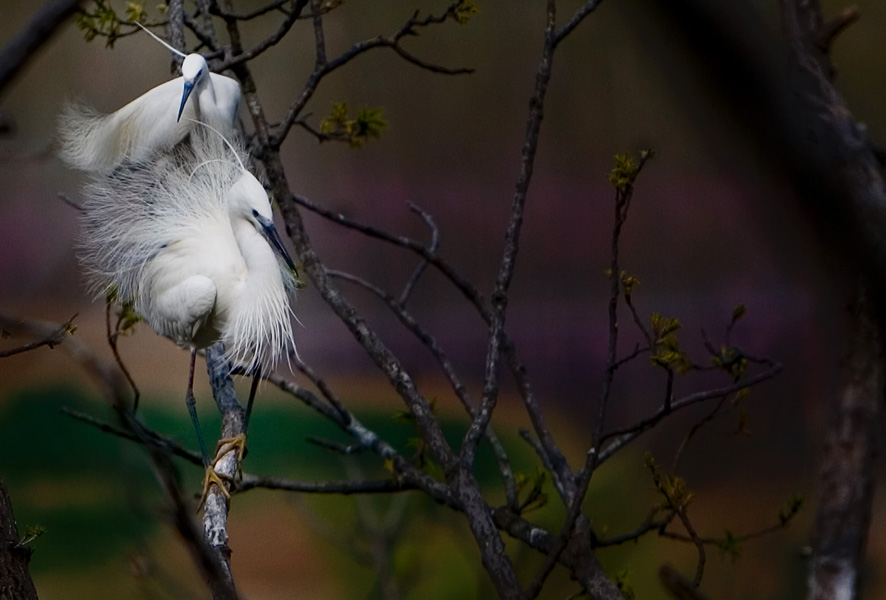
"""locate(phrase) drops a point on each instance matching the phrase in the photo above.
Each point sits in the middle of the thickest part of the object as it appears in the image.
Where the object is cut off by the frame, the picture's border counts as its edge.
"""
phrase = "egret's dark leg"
(256, 377)
(192, 409)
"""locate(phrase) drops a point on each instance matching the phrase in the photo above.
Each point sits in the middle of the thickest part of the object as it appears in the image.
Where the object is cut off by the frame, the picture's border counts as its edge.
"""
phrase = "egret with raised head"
(154, 122)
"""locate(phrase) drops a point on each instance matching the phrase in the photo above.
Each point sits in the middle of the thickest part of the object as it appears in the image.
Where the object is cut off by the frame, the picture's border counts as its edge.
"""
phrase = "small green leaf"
(135, 12)
(628, 283)
(463, 11)
(738, 312)
(732, 360)
(530, 491)
(32, 532)
(729, 546)
(368, 124)
(623, 583)
(666, 351)
(794, 504)
(624, 172)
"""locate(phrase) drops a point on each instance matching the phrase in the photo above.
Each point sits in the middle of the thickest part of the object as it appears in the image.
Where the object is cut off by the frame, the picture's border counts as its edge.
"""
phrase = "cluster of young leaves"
(103, 20)
(464, 10)
(421, 449)
(127, 318)
(626, 169)
(732, 360)
(794, 504)
(367, 124)
(623, 583)
(673, 487)
(530, 490)
(666, 351)
(628, 283)
(31, 533)
(729, 358)
(624, 172)
(729, 546)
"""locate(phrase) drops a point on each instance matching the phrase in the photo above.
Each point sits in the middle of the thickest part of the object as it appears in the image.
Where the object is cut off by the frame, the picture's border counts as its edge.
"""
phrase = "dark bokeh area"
(713, 224)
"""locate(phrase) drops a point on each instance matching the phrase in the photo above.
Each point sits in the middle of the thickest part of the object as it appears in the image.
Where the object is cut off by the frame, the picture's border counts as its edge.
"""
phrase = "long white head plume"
(161, 40)
(224, 139)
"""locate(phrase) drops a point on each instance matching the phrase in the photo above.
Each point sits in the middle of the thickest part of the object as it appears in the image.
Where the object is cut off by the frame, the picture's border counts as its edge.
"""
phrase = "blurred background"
(712, 225)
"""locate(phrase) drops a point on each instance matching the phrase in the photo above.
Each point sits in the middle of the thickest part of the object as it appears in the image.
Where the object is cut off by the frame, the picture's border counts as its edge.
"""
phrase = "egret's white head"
(248, 200)
(194, 69)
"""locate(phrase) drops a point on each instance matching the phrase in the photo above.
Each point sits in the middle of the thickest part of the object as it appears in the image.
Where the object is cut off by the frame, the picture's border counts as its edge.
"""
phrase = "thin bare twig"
(49, 336)
(442, 359)
(621, 437)
(324, 67)
(112, 342)
(432, 248)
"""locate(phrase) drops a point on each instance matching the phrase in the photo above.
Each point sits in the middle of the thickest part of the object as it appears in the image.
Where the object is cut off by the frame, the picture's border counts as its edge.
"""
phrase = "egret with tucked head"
(188, 239)
(154, 122)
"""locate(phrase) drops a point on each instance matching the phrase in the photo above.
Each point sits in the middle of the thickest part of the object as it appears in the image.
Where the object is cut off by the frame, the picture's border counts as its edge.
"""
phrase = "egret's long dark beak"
(270, 232)
(189, 85)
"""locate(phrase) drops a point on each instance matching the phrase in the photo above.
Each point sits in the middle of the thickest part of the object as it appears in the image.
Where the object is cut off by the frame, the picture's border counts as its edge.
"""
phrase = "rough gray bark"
(15, 580)
(846, 479)
(215, 514)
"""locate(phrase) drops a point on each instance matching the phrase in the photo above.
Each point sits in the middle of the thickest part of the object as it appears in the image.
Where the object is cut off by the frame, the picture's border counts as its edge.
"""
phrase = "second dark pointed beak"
(270, 232)
(189, 86)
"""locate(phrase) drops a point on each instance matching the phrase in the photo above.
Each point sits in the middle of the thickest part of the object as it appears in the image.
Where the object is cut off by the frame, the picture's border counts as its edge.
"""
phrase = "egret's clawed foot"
(214, 477)
(224, 446)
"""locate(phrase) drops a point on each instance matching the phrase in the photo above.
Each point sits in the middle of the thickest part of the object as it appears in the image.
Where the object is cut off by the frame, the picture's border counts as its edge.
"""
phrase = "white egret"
(188, 239)
(154, 122)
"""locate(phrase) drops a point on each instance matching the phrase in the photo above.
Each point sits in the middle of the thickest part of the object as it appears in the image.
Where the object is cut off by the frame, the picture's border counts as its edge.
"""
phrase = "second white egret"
(154, 122)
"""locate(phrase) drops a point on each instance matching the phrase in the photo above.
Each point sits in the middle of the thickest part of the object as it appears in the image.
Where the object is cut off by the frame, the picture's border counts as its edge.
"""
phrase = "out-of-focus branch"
(847, 474)
(48, 335)
(36, 32)
(154, 439)
(15, 579)
(116, 389)
(269, 41)
(678, 587)
(176, 13)
(348, 487)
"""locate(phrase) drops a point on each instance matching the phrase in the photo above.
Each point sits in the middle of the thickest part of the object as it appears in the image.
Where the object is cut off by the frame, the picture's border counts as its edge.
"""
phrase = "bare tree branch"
(324, 67)
(48, 336)
(36, 32)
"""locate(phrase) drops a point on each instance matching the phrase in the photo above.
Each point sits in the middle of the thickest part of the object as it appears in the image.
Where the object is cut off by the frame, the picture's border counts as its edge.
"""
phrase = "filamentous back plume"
(187, 238)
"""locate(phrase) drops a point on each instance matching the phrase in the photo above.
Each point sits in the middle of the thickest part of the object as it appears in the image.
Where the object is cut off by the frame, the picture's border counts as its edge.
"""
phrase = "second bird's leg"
(192, 409)
(256, 377)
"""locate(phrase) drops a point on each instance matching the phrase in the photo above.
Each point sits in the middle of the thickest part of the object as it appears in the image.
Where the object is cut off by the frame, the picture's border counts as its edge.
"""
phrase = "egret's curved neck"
(206, 97)
(257, 253)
